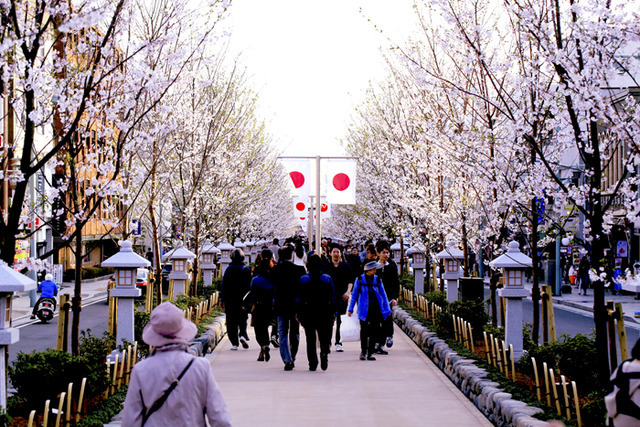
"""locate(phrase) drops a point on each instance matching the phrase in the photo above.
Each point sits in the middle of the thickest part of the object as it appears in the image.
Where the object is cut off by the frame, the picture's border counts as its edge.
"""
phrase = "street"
(39, 337)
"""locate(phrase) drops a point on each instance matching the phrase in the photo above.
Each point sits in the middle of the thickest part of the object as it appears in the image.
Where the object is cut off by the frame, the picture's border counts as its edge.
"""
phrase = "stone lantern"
(513, 264)
(207, 262)
(10, 281)
(257, 249)
(418, 253)
(225, 255)
(247, 252)
(179, 257)
(396, 250)
(239, 245)
(126, 263)
(451, 256)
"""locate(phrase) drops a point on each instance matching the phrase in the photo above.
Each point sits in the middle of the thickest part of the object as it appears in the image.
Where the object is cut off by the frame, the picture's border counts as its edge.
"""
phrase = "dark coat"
(355, 264)
(235, 283)
(262, 293)
(341, 276)
(389, 276)
(317, 300)
(286, 280)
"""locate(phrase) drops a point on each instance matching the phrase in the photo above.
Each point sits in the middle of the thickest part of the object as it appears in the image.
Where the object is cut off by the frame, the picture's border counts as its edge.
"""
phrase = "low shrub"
(471, 311)
(408, 281)
(574, 356)
(439, 298)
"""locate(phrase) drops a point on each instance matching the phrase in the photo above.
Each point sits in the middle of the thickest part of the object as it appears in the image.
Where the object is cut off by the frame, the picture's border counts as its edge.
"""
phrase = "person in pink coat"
(154, 397)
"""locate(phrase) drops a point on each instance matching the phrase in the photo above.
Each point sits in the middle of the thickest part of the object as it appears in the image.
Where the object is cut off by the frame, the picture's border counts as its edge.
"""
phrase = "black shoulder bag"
(158, 403)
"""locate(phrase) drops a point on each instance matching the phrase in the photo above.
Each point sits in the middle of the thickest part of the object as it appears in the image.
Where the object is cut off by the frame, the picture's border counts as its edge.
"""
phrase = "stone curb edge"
(497, 405)
(208, 340)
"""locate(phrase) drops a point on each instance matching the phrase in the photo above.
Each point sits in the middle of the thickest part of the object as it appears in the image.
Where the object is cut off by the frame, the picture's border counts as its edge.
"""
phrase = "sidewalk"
(585, 303)
(92, 290)
(403, 388)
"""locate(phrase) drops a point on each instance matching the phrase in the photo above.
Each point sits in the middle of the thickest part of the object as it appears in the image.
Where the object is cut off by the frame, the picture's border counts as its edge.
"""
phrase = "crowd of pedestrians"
(290, 286)
(285, 288)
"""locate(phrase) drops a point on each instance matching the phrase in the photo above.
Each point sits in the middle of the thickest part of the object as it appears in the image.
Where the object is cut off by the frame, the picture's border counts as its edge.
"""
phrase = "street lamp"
(126, 263)
(451, 256)
(396, 250)
(418, 265)
(225, 255)
(513, 264)
(208, 265)
(179, 258)
(10, 281)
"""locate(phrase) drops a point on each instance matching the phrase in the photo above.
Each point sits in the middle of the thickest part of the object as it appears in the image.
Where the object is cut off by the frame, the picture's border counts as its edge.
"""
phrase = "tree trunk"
(535, 279)
(76, 301)
(465, 247)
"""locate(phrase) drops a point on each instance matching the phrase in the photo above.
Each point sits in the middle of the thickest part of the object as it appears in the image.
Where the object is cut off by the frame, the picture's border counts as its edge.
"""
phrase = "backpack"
(619, 400)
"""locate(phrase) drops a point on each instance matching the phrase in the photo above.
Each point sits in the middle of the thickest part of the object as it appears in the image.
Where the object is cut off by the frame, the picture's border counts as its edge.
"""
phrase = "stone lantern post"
(179, 258)
(247, 253)
(419, 263)
(225, 255)
(207, 264)
(126, 263)
(10, 281)
(513, 264)
(396, 250)
(451, 256)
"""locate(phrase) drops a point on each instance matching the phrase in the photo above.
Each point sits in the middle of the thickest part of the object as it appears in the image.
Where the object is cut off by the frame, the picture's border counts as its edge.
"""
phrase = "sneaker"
(370, 357)
(324, 362)
(234, 348)
(363, 356)
(380, 350)
(243, 342)
(274, 342)
(267, 356)
(339, 348)
(389, 342)
(33, 316)
(288, 366)
(261, 356)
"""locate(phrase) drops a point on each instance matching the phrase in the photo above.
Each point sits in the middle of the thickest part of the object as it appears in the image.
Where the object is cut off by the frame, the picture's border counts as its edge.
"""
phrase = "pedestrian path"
(404, 388)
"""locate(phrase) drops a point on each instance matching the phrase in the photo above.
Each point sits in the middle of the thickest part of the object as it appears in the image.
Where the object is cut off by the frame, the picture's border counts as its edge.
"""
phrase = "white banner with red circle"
(341, 181)
(299, 172)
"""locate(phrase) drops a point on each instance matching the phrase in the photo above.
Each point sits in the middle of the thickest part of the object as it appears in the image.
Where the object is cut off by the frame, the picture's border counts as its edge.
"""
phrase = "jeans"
(289, 333)
(236, 323)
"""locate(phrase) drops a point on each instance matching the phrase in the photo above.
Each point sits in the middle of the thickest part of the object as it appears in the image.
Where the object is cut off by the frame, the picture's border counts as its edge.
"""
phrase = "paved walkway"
(404, 388)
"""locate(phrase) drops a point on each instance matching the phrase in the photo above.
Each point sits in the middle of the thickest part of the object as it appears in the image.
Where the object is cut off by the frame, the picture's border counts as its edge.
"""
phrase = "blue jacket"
(362, 296)
(48, 288)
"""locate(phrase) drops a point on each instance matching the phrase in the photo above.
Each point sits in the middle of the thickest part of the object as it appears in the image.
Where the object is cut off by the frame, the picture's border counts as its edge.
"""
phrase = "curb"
(494, 403)
(589, 310)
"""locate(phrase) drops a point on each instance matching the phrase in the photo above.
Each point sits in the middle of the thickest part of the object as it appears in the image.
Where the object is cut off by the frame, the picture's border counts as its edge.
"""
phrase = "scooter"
(45, 309)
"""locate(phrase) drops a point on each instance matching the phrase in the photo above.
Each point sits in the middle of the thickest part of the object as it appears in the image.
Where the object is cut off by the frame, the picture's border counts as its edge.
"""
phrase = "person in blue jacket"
(49, 289)
(373, 308)
(262, 297)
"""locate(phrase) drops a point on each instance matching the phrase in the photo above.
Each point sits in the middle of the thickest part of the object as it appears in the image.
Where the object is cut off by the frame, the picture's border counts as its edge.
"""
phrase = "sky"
(311, 62)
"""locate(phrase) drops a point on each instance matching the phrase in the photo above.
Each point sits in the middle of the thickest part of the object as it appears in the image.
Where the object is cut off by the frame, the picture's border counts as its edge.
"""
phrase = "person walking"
(172, 387)
(317, 312)
(342, 278)
(235, 285)
(373, 308)
(583, 275)
(353, 259)
(389, 275)
(286, 279)
(262, 294)
(299, 255)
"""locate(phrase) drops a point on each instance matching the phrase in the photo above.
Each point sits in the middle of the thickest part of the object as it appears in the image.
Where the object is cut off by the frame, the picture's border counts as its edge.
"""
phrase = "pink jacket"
(197, 395)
